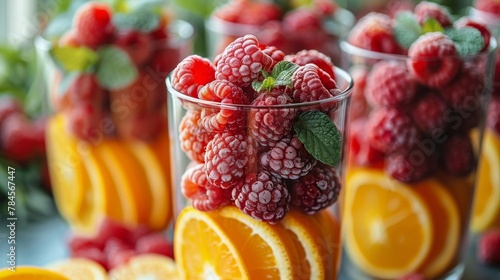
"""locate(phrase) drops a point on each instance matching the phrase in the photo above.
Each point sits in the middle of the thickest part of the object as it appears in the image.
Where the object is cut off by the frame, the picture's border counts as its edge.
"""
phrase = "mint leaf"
(320, 136)
(283, 72)
(115, 69)
(432, 25)
(467, 40)
(74, 58)
(406, 28)
(143, 19)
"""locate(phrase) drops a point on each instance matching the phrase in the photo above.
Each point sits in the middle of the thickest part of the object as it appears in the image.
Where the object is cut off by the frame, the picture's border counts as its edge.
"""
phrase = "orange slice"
(76, 269)
(446, 227)
(147, 266)
(203, 250)
(329, 241)
(388, 228)
(30, 273)
(486, 211)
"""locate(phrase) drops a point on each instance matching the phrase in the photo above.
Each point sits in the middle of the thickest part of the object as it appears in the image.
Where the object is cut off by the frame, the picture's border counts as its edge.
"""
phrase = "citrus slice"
(30, 273)
(329, 241)
(147, 266)
(79, 268)
(486, 211)
(446, 227)
(268, 251)
(388, 226)
(203, 250)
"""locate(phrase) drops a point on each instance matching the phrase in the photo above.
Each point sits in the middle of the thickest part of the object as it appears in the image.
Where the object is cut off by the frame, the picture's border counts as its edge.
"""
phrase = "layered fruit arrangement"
(259, 141)
(421, 80)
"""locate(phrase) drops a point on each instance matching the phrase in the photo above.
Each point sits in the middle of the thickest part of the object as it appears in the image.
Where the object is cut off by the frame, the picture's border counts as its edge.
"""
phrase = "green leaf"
(115, 70)
(283, 72)
(201, 8)
(76, 59)
(432, 25)
(320, 136)
(406, 29)
(467, 40)
(143, 19)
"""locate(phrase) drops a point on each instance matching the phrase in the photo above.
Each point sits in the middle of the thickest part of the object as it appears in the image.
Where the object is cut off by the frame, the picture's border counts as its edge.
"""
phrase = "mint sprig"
(145, 19)
(467, 40)
(432, 25)
(115, 70)
(320, 136)
(72, 59)
(406, 28)
(281, 75)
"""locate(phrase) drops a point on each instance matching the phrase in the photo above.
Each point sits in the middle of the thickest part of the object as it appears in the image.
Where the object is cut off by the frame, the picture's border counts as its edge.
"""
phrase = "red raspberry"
(489, 248)
(17, 141)
(248, 12)
(490, 6)
(374, 32)
(485, 32)
(288, 159)
(465, 90)
(425, 10)
(92, 24)
(410, 166)
(164, 60)
(272, 34)
(389, 84)
(310, 83)
(155, 243)
(115, 245)
(316, 190)
(138, 45)
(93, 254)
(390, 129)
(192, 73)
(304, 57)
(263, 197)
(360, 152)
(225, 119)
(325, 7)
(77, 243)
(139, 231)
(268, 125)
(109, 229)
(121, 258)
(9, 105)
(433, 59)
(193, 135)
(84, 121)
(226, 159)
(393, 7)
(304, 28)
(86, 89)
(358, 104)
(276, 54)
(242, 61)
(493, 119)
(458, 155)
(144, 127)
(429, 112)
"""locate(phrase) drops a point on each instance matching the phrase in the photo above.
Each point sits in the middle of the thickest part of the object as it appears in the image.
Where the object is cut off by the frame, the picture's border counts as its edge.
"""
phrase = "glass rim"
(345, 93)
(484, 16)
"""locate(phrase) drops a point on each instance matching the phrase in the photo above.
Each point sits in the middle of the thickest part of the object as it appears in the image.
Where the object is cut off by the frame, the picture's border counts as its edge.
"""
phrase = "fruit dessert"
(107, 140)
(421, 80)
(258, 139)
(291, 26)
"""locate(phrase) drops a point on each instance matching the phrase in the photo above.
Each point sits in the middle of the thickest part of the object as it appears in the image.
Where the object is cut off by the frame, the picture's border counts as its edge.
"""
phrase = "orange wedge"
(31, 273)
(203, 250)
(329, 241)
(79, 269)
(147, 266)
(388, 227)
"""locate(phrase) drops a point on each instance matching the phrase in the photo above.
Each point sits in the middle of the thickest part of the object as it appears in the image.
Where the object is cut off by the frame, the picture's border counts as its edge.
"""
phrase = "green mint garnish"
(320, 136)
(432, 25)
(280, 76)
(72, 59)
(406, 29)
(467, 40)
(115, 70)
(145, 19)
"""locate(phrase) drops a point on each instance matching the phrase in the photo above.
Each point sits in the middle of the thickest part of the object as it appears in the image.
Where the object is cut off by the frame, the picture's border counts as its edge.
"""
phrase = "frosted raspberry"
(242, 61)
(288, 159)
(310, 83)
(485, 32)
(390, 129)
(276, 54)
(433, 59)
(225, 159)
(493, 119)
(248, 12)
(304, 57)
(358, 104)
(465, 90)
(488, 250)
(92, 24)
(426, 10)
(269, 125)
(317, 190)
(263, 197)
(360, 151)
(389, 84)
(374, 32)
(224, 119)
(304, 29)
(490, 6)
(193, 136)
(458, 155)
(411, 165)
(393, 7)
(429, 112)
(138, 45)
(191, 74)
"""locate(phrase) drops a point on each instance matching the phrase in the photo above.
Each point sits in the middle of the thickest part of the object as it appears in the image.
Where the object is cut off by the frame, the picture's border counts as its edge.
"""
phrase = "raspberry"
(465, 90)
(360, 152)
(410, 166)
(358, 101)
(433, 59)
(394, 7)
(86, 89)
(77, 243)
(242, 61)
(468, 22)
(429, 112)
(316, 190)
(193, 136)
(304, 29)
(164, 60)
(263, 197)
(493, 118)
(92, 24)
(389, 84)
(269, 125)
(374, 32)
(144, 127)
(225, 119)
(93, 254)
(114, 246)
(136, 44)
(155, 243)
(192, 73)
(121, 258)
(272, 34)
(489, 6)
(226, 159)
(248, 12)
(288, 159)
(304, 57)
(489, 248)
(426, 10)
(17, 141)
(310, 83)
(109, 229)
(458, 155)
(276, 54)
(390, 129)
(9, 105)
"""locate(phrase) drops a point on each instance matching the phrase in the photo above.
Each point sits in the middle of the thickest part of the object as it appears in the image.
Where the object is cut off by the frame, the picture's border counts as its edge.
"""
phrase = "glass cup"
(412, 171)
(271, 238)
(108, 157)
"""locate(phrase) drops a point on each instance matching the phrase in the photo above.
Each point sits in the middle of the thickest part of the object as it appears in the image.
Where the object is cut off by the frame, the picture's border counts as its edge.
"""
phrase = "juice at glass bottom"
(258, 163)
(414, 143)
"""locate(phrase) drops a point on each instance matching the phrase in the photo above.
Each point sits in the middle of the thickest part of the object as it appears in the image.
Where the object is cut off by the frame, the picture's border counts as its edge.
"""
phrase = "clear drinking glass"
(222, 241)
